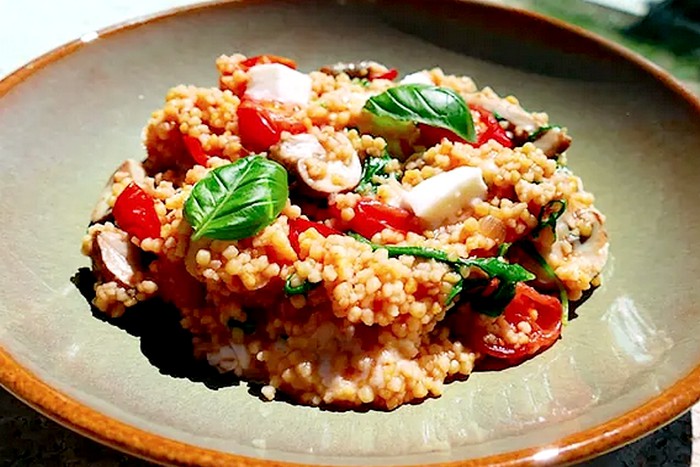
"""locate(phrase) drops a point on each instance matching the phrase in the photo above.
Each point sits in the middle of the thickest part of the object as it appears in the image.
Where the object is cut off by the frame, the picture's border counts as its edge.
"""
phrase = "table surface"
(27, 438)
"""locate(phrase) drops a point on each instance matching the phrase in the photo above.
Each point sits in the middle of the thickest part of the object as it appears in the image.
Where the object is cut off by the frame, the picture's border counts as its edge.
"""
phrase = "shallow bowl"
(627, 365)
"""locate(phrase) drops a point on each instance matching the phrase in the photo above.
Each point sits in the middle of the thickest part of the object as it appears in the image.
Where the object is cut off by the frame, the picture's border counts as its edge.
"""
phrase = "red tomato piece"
(371, 217)
(390, 75)
(177, 286)
(265, 59)
(490, 129)
(194, 147)
(297, 226)
(260, 124)
(545, 328)
(485, 125)
(135, 213)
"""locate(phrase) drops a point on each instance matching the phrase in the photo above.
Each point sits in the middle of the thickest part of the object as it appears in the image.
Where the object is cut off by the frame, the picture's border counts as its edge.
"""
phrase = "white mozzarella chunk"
(419, 77)
(276, 82)
(444, 195)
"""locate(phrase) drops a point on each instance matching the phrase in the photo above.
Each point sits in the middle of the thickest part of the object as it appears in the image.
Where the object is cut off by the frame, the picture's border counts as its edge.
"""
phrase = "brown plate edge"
(70, 413)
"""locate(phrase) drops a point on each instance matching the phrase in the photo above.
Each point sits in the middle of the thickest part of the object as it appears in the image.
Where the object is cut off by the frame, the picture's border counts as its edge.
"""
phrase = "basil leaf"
(238, 200)
(374, 167)
(421, 103)
(551, 212)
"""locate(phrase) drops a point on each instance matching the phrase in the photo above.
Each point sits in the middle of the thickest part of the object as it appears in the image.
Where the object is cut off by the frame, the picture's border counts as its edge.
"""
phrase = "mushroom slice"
(364, 69)
(553, 141)
(102, 209)
(511, 112)
(296, 147)
(115, 258)
(326, 177)
(581, 241)
(591, 249)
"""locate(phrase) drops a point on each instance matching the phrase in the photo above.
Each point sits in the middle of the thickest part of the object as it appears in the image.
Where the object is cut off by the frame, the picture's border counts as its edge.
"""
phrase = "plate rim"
(70, 413)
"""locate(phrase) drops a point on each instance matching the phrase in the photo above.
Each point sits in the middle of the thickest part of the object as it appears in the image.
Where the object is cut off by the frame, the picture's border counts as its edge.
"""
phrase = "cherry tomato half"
(177, 286)
(135, 213)
(260, 124)
(542, 315)
(390, 74)
(372, 216)
(486, 126)
(297, 226)
(194, 147)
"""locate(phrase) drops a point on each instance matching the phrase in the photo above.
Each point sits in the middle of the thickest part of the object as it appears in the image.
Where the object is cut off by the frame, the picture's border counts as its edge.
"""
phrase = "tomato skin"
(265, 59)
(493, 129)
(545, 329)
(372, 216)
(177, 286)
(486, 126)
(135, 213)
(194, 147)
(260, 124)
(390, 75)
(297, 226)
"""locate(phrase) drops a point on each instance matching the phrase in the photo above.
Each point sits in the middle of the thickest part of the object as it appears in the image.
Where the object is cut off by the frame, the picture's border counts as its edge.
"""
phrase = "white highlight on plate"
(89, 36)
(546, 455)
(636, 337)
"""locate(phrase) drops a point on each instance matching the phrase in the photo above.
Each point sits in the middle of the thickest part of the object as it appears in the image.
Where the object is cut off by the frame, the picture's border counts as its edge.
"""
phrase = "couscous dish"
(348, 236)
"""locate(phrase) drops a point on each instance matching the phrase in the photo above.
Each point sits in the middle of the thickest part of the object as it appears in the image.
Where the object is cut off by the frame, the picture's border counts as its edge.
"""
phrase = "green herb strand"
(375, 167)
(305, 286)
(550, 214)
(530, 249)
(507, 274)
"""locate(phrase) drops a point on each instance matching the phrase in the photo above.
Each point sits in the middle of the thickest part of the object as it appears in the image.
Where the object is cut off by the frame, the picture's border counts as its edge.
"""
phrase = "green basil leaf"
(421, 103)
(374, 167)
(237, 200)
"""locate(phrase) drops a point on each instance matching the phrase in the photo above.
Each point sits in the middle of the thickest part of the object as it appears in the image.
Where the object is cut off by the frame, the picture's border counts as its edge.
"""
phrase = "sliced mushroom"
(592, 248)
(364, 69)
(333, 177)
(102, 209)
(115, 258)
(586, 252)
(553, 141)
(304, 155)
(515, 114)
(296, 147)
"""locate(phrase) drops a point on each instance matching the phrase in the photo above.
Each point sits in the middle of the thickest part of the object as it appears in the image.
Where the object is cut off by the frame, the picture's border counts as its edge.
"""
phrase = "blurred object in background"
(635, 7)
(667, 32)
(673, 23)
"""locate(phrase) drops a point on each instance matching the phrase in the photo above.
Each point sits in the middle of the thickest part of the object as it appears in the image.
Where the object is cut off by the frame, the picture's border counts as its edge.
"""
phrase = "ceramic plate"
(626, 365)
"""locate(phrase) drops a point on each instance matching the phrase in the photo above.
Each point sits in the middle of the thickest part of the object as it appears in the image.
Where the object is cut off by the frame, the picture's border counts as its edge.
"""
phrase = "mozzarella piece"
(419, 77)
(277, 82)
(442, 196)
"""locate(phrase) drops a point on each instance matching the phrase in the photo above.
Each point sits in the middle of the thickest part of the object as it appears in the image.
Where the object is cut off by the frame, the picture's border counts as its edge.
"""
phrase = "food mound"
(347, 237)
